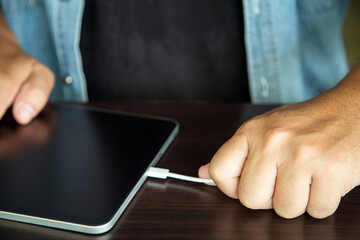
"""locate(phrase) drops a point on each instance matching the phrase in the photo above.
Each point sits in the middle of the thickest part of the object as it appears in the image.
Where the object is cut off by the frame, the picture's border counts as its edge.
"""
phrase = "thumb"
(204, 173)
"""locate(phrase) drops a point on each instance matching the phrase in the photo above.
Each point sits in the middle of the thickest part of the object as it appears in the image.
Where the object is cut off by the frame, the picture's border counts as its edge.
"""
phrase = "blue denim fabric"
(49, 30)
(294, 47)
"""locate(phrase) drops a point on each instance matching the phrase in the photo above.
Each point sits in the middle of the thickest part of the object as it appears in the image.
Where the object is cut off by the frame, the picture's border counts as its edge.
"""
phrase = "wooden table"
(174, 209)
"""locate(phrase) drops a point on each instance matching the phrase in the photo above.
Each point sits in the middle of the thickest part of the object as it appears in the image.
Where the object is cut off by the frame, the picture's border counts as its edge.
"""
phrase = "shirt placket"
(261, 51)
(67, 24)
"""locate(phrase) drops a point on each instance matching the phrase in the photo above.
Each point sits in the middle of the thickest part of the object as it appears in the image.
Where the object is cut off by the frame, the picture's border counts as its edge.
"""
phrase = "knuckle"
(44, 70)
(251, 124)
(303, 151)
(48, 71)
(275, 138)
(243, 129)
(279, 134)
(37, 91)
(304, 154)
(330, 170)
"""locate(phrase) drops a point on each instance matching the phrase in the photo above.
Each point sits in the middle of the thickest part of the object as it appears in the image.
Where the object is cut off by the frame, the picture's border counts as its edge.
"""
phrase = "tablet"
(77, 168)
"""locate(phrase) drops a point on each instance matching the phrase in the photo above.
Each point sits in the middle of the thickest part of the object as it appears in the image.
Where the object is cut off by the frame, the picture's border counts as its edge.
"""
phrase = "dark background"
(164, 50)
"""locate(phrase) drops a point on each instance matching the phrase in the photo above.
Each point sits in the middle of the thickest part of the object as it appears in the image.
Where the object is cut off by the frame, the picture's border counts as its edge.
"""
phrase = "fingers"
(33, 94)
(324, 198)
(226, 166)
(257, 182)
(24, 82)
(204, 173)
(292, 191)
(290, 159)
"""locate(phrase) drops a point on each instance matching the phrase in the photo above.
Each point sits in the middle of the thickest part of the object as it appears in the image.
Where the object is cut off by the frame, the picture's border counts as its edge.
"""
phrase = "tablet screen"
(75, 164)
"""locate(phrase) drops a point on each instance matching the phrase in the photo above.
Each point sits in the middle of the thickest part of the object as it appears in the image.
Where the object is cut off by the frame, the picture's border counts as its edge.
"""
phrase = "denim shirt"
(294, 48)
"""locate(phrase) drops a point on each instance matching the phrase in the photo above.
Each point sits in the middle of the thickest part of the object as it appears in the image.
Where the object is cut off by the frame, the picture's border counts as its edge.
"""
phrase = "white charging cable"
(165, 173)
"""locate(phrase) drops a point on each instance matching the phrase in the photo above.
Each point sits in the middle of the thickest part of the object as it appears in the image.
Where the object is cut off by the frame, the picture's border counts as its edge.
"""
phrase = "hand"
(299, 157)
(25, 83)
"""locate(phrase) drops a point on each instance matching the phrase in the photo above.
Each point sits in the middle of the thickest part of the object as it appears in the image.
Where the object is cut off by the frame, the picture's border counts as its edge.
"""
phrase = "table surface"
(173, 209)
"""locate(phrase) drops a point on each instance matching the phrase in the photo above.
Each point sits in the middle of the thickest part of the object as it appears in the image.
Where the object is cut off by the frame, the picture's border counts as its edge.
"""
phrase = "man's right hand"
(25, 83)
(300, 157)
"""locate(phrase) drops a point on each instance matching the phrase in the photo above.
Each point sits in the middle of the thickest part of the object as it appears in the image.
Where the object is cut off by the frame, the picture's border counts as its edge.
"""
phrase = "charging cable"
(163, 173)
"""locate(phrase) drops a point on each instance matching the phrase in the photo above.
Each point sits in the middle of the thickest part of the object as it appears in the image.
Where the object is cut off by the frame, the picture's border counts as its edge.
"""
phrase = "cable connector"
(158, 172)
(163, 173)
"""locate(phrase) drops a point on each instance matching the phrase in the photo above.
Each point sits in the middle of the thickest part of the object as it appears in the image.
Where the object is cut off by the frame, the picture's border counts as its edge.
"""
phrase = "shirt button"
(68, 80)
(264, 87)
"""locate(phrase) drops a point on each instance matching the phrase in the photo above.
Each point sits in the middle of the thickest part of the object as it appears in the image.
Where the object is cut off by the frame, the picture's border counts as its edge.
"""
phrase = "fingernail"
(26, 112)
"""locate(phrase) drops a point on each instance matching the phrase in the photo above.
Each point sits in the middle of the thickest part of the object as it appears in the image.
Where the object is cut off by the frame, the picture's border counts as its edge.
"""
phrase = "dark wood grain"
(174, 209)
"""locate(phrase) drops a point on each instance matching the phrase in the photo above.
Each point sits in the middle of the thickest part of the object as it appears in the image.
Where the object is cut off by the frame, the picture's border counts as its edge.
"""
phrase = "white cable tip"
(158, 172)
(163, 173)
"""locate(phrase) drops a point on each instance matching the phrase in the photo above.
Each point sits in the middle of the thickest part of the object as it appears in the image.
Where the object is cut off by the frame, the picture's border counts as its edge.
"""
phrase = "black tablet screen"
(75, 164)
